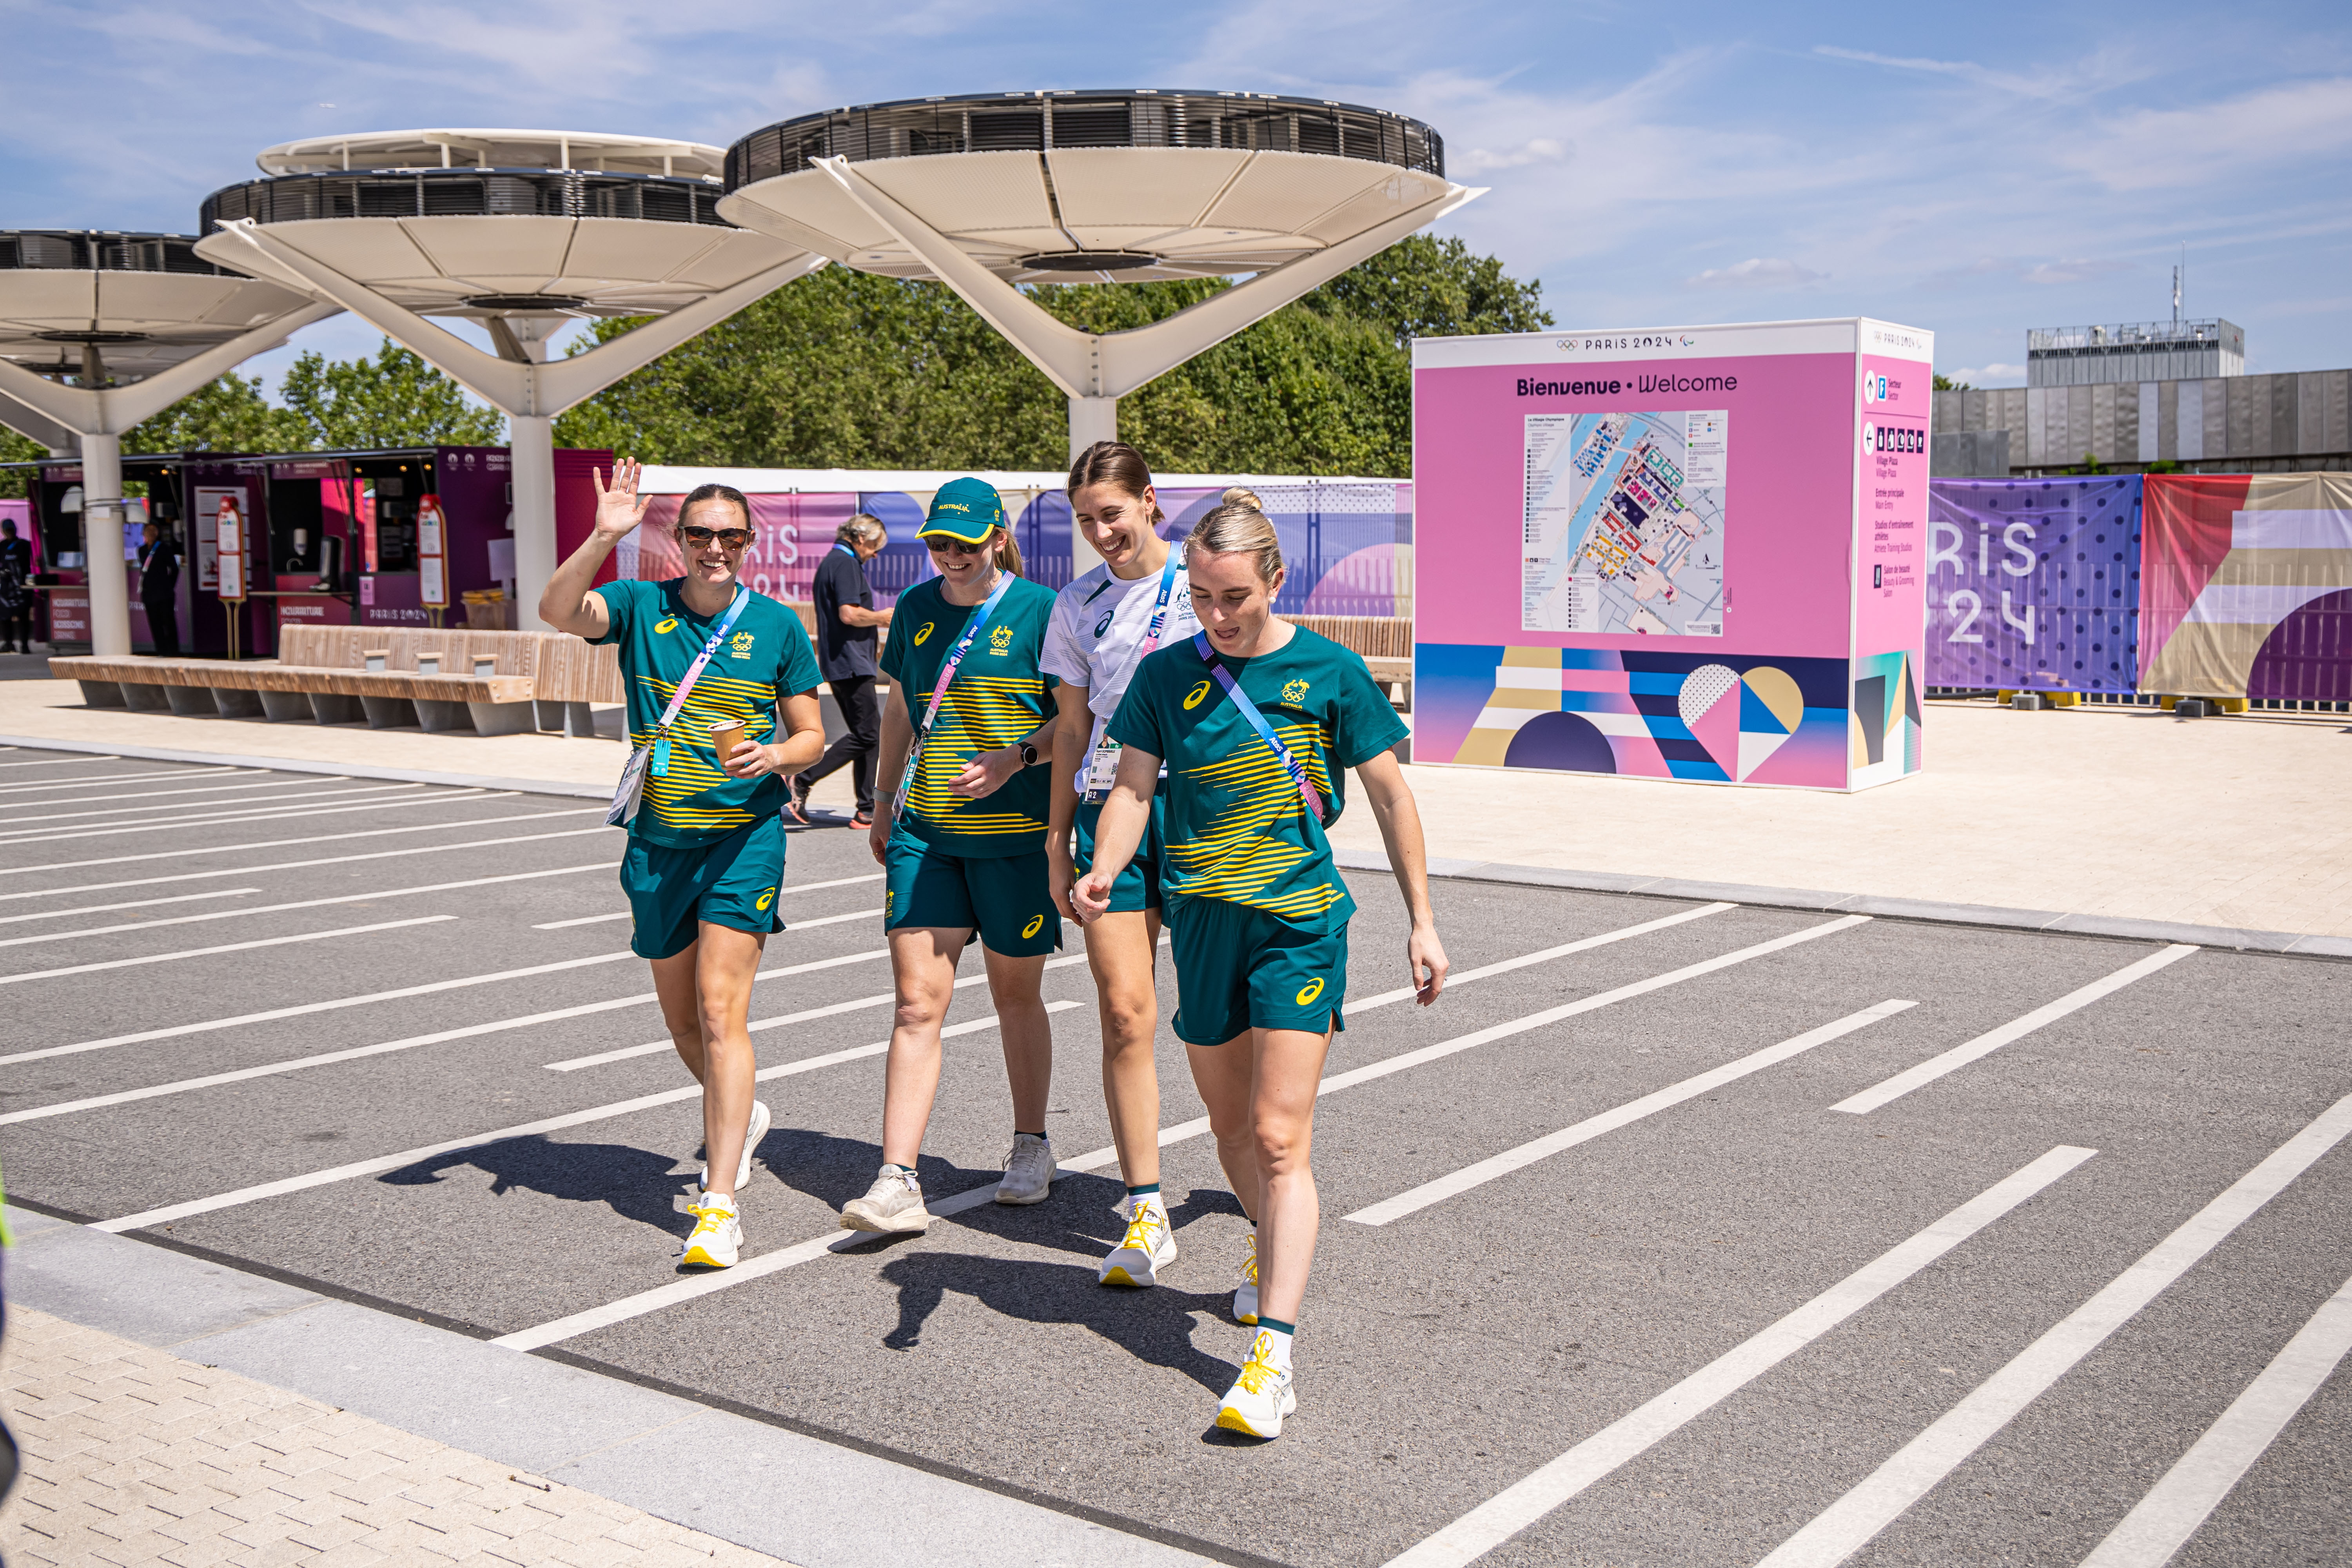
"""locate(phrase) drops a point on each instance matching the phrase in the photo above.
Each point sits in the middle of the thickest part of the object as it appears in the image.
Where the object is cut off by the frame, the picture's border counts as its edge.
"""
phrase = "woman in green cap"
(967, 736)
(1258, 720)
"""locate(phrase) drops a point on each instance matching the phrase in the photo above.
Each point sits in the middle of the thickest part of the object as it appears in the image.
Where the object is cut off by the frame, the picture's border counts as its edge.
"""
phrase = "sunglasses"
(955, 547)
(728, 538)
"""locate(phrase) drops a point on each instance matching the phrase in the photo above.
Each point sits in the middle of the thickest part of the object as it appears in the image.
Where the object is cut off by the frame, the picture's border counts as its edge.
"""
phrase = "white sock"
(1276, 1343)
(719, 1200)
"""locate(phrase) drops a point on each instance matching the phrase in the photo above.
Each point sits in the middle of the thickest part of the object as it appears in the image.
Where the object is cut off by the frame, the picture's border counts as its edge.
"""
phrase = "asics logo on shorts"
(1192, 697)
(764, 899)
(1308, 992)
(1036, 923)
(924, 633)
(667, 624)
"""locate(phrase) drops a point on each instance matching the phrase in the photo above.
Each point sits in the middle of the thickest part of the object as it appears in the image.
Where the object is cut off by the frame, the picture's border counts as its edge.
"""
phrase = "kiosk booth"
(404, 537)
(1693, 553)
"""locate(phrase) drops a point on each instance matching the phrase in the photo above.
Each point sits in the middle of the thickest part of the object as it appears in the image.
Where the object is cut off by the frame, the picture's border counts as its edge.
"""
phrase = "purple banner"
(2033, 585)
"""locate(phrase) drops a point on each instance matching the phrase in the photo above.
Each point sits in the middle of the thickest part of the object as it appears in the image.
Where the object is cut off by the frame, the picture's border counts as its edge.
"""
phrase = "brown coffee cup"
(726, 734)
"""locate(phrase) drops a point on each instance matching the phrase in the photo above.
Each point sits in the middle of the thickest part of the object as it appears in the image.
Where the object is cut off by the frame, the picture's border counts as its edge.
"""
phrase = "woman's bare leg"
(726, 963)
(922, 971)
(1121, 951)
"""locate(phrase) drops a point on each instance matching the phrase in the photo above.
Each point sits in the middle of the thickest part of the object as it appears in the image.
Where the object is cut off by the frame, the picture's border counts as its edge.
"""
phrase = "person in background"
(16, 590)
(846, 624)
(158, 589)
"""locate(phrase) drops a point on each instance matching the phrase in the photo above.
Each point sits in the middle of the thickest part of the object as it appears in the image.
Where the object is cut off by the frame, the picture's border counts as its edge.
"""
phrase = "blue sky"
(1975, 169)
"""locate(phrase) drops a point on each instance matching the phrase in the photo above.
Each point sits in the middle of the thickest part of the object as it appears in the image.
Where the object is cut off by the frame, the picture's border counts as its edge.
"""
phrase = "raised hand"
(620, 507)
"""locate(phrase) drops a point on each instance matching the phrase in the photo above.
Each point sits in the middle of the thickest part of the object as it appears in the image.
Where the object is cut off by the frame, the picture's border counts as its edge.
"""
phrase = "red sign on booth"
(230, 535)
(432, 554)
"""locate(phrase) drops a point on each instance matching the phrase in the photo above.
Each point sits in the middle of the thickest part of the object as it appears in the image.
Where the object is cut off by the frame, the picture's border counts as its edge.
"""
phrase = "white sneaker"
(1149, 1246)
(761, 1121)
(893, 1206)
(718, 1238)
(1029, 1170)
(1245, 1295)
(1260, 1398)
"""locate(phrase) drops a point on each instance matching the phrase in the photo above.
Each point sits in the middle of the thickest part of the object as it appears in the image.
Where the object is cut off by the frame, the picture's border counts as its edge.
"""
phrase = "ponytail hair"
(1238, 496)
(1234, 529)
(1008, 555)
(1119, 466)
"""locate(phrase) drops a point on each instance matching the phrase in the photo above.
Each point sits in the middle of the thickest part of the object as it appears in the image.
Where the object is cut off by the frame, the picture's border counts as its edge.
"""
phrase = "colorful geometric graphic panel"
(1682, 716)
(1885, 734)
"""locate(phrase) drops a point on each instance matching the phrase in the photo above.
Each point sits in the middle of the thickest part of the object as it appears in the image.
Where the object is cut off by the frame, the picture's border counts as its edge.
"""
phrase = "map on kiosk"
(1623, 527)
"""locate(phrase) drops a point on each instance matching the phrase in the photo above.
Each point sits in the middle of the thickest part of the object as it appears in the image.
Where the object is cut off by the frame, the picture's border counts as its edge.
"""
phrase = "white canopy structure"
(138, 322)
(522, 230)
(987, 191)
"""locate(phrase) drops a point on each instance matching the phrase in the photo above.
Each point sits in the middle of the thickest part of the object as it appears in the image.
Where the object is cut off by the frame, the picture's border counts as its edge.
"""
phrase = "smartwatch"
(1028, 755)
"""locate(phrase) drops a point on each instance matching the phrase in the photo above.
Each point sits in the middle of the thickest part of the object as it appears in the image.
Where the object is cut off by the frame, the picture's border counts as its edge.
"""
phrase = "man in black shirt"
(846, 622)
(159, 590)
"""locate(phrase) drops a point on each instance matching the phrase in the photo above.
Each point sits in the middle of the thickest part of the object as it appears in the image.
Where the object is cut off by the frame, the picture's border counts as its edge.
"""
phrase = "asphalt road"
(306, 1025)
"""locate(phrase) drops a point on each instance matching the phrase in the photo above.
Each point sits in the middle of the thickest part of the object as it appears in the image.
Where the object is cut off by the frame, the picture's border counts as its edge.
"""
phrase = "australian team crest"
(1294, 694)
(1001, 640)
(741, 646)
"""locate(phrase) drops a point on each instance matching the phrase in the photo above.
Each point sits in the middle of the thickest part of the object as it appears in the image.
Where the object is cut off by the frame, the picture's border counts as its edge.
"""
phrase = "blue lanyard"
(948, 673)
(694, 673)
(1256, 720)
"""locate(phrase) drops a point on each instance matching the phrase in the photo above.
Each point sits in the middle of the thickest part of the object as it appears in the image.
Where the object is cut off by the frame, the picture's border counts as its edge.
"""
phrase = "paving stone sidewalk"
(133, 1455)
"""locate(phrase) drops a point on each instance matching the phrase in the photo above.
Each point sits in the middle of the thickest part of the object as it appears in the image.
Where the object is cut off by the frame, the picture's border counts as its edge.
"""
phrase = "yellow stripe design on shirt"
(980, 713)
(693, 765)
(1238, 860)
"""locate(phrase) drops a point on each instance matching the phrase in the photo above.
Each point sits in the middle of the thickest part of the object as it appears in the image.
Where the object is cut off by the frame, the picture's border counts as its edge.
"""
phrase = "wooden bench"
(566, 674)
(1384, 643)
(488, 704)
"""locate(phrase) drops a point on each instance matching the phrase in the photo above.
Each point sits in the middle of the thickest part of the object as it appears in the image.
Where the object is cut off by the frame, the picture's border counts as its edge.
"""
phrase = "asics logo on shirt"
(1036, 923)
(1192, 697)
(668, 624)
(924, 633)
(1310, 992)
(1103, 625)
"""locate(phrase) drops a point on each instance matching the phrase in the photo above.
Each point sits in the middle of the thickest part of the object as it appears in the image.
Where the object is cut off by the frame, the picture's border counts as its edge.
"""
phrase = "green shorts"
(1238, 968)
(1004, 897)
(733, 881)
(1138, 887)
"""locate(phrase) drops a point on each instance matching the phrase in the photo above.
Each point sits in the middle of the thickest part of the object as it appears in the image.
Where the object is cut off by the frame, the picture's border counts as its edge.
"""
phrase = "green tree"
(16, 448)
(1426, 287)
(393, 400)
(226, 416)
(1946, 384)
(844, 369)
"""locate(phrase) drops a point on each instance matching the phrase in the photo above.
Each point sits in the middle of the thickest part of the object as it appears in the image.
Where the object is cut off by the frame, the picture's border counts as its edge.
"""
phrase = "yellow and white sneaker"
(1245, 1295)
(718, 1236)
(1148, 1248)
(1261, 1396)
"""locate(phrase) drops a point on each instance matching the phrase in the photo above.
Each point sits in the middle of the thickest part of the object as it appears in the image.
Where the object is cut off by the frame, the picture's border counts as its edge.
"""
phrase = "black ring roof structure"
(98, 250)
(1126, 117)
(464, 193)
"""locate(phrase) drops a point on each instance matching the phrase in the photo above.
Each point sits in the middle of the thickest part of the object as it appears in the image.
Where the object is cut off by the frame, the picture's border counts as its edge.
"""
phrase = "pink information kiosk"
(1688, 553)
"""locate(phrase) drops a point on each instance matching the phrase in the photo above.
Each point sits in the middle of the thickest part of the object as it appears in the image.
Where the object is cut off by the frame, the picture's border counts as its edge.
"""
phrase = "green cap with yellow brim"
(968, 509)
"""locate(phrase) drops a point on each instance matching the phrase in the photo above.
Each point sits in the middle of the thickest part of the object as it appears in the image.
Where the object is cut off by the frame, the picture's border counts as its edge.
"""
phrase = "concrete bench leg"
(191, 701)
(503, 718)
(328, 707)
(286, 707)
(436, 717)
(145, 699)
(389, 712)
(101, 694)
(236, 703)
(573, 719)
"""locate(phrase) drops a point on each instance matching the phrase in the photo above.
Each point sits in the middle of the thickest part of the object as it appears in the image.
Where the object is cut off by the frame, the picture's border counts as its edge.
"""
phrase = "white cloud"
(1542, 149)
(2300, 122)
(1757, 272)
(2075, 271)
(1991, 376)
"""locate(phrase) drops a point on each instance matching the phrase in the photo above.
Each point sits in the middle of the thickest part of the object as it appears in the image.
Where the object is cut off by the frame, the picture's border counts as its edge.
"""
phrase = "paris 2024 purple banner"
(2033, 585)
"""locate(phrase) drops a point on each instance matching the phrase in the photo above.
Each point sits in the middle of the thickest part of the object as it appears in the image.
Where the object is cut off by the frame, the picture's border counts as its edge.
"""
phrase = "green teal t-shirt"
(1237, 830)
(765, 658)
(999, 697)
